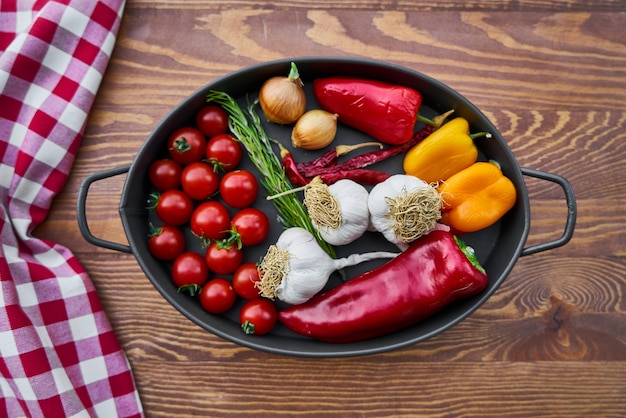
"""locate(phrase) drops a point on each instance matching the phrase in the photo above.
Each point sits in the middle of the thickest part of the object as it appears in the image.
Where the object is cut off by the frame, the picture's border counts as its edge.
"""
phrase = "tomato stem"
(181, 145)
(154, 230)
(153, 200)
(191, 289)
(248, 327)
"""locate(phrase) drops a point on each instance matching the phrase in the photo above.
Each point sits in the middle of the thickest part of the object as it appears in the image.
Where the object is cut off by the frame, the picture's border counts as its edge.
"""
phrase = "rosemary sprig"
(246, 126)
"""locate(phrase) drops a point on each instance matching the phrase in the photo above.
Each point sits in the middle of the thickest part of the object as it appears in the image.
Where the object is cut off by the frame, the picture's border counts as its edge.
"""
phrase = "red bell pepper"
(385, 111)
(433, 272)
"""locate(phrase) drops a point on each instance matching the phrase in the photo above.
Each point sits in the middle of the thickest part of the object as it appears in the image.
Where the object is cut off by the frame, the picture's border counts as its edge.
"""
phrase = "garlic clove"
(314, 130)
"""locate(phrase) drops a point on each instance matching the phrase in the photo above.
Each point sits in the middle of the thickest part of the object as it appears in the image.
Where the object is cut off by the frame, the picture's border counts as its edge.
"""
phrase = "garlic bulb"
(314, 130)
(403, 208)
(282, 99)
(338, 211)
(296, 267)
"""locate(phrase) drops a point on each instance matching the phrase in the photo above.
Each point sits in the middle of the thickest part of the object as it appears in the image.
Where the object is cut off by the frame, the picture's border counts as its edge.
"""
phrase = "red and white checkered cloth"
(59, 356)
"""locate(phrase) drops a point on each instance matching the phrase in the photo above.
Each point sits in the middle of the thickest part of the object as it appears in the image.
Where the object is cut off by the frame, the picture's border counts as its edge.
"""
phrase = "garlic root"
(403, 208)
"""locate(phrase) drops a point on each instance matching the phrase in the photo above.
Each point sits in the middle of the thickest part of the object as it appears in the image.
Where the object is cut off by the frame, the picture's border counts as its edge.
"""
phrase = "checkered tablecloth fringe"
(59, 356)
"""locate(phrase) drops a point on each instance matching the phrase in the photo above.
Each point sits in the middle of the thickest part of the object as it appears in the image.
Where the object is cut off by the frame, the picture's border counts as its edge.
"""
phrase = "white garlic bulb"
(339, 212)
(296, 267)
(403, 208)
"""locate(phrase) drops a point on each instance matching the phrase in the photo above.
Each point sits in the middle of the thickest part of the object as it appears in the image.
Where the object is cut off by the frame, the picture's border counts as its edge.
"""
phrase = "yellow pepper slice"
(476, 197)
(446, 151)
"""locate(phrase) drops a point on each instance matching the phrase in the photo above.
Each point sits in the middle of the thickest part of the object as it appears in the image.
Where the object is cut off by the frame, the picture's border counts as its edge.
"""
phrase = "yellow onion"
(314, 130)
(282, 99)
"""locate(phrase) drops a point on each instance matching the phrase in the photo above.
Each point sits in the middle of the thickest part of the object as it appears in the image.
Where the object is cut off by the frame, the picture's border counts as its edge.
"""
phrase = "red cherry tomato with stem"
(250, 226)
(189, 272)
(223, 258)
(217, 296)
(210, 221)
(165, 242)
(212, 120)
(173, 207)
(165, 174)
(199, 180)
(258, 316)
(224, 152)
(239, 188)
(186, 145)
(245, 279)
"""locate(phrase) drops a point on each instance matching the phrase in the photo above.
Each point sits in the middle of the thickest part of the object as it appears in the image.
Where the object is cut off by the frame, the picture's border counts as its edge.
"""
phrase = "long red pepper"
(432, 273)
(387, 112)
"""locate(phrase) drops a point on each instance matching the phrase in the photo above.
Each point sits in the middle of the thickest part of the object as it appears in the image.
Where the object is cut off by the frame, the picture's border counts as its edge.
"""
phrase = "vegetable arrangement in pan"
(331, 200)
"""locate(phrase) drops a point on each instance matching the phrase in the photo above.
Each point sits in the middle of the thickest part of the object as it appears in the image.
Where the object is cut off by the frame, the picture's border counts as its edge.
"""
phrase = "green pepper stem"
(469, 253)
(480, 135)
(437, 121)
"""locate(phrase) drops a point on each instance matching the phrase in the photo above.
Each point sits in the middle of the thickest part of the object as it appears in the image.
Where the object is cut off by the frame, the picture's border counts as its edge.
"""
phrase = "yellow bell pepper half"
(476, 197)
(443, 153)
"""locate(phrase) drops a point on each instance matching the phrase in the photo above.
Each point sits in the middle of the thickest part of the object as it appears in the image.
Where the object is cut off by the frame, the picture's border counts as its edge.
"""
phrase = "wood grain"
(360, 388)
(410, 5)
(550, 342)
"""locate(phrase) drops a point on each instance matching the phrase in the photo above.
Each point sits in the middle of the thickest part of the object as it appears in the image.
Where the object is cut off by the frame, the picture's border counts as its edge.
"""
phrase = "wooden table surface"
(550, 75)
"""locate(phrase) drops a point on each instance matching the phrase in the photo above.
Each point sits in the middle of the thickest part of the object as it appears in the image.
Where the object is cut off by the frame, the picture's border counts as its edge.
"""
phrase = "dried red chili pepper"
(291, 170)
(360, 175)
(330, 157)
(387, 112)
(433, 272)
(369, 158)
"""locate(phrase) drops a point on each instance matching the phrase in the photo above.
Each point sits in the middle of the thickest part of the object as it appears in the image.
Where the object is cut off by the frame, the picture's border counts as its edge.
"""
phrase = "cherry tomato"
(212, 120)
(251, 226)
(173, 207)
(239, 188)
(245, 279)
(199, 180)
(224, 151)
(165, 174)
(217, 296)
(210, 221)
(186, 145)
(258, 316)
(165, 242)
(189, 272)
(223, 258)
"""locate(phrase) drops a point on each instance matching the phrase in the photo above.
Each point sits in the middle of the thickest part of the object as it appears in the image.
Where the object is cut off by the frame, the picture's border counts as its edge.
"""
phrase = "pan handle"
(81, 211)
(570, 200)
